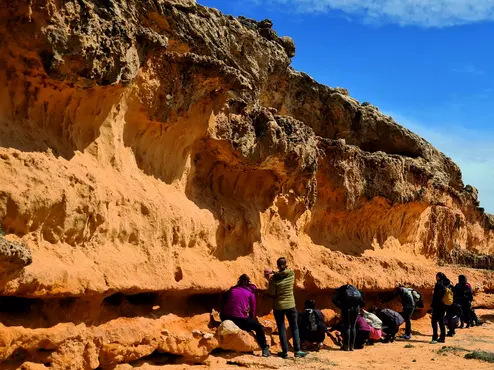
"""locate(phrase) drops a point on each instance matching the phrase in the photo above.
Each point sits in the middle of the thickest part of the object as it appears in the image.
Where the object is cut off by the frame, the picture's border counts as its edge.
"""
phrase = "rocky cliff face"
(152, 151)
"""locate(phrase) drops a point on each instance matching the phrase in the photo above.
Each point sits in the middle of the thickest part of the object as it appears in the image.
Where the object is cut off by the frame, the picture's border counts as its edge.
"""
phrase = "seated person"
(239, 306)
(311, 324)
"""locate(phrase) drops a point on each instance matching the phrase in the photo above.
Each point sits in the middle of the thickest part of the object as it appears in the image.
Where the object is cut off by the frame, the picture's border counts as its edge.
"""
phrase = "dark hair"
(280, 261)
(441, 276)
(310, 303)
(462, 278)
(244, 279)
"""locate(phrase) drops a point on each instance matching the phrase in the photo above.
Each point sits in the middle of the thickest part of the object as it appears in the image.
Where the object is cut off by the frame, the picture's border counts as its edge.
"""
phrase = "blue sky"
(427, 63)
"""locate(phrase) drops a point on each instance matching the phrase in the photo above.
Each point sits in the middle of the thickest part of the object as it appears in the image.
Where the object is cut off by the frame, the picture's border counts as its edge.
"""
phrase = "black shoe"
(450, 334)
(283, 354)
(345, 348)
(300, 354)
(265, 352)
(441, 340)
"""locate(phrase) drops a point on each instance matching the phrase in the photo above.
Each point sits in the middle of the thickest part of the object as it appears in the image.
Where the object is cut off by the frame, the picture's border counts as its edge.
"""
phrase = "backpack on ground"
(448, 296)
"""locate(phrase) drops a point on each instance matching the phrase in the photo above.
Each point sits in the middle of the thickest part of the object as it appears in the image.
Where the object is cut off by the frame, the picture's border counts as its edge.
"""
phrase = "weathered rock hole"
(140, 299)
(178, 274)
(158, 359)
(115, 299)
(17, 304)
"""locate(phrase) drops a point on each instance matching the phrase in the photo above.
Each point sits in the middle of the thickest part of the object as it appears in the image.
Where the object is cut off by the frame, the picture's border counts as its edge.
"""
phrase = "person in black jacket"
(311, 324)
(349, 300)
(464, 297)
(439, 308)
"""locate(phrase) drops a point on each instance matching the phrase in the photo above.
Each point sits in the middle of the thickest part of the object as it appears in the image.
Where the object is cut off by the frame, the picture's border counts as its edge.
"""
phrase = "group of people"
(451, 307)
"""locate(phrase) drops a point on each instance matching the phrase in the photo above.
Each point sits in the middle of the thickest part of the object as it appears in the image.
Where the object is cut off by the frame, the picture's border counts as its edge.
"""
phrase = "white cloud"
(470, 69)
(426, 13)
(472, 150)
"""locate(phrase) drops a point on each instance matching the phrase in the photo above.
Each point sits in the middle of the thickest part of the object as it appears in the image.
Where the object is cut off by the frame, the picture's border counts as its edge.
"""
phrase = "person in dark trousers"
(464, 297)
(239, 306)
(452, 319)
(408, 303)
(392, 321)
(311, 324)
(439, 308)
(281, 289)
(349, 300)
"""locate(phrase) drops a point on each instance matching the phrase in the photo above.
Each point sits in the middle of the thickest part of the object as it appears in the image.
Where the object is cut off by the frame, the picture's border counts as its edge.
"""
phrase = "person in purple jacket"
(239, 306)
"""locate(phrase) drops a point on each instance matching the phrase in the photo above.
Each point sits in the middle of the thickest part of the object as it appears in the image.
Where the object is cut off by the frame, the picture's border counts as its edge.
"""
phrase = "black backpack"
(312, 321)
(347, 296)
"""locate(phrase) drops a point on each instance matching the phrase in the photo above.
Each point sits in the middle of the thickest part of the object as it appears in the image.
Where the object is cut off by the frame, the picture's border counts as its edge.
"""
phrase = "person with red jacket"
(239, 306)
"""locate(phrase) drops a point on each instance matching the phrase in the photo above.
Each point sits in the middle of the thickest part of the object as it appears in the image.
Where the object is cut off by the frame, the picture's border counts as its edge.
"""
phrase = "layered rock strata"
(152, 151)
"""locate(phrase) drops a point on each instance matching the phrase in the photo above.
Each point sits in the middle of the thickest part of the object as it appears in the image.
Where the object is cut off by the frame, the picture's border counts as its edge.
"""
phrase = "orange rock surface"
(153, 151)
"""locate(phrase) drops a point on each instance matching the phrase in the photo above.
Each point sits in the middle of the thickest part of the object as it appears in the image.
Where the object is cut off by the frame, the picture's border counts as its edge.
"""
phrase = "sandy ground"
(417, 353)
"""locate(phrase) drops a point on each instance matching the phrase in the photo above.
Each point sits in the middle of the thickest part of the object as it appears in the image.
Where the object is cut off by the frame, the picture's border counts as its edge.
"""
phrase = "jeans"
(438, 314)
(291, 315)
(349, 316)
(407, 315)
(249, 324)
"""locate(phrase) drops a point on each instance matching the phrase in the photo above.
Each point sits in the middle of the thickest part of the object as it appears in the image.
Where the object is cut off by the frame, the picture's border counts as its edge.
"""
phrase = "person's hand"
(268, 272)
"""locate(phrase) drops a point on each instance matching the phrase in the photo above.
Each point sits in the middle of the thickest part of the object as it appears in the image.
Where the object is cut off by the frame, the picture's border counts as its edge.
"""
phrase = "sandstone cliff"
(152, 151)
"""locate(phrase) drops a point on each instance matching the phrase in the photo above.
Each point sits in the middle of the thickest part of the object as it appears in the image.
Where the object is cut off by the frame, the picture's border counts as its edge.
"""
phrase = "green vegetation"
(450, 349)
(481, 355)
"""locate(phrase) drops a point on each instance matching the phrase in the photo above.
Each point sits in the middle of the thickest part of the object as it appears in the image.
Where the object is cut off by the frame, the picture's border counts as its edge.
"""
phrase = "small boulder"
(289, 45)
(14, 255)
(232, 338)
(268, 34)
(473, 191)
(266, 23)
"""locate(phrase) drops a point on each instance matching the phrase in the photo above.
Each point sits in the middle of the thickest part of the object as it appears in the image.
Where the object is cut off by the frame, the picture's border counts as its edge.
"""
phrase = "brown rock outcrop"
(152, 151)
(231, 337)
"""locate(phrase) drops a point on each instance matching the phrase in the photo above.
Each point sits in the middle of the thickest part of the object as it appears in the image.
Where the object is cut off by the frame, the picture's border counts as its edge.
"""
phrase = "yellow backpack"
(448, 296)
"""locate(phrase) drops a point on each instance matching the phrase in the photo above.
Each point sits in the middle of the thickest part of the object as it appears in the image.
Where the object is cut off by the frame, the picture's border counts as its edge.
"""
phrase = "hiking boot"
(441, 340)
(283, 354)
(318, 347)
(300, 354)
(406, 336)
(434, 341)
(265, 352)
(345, 348)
